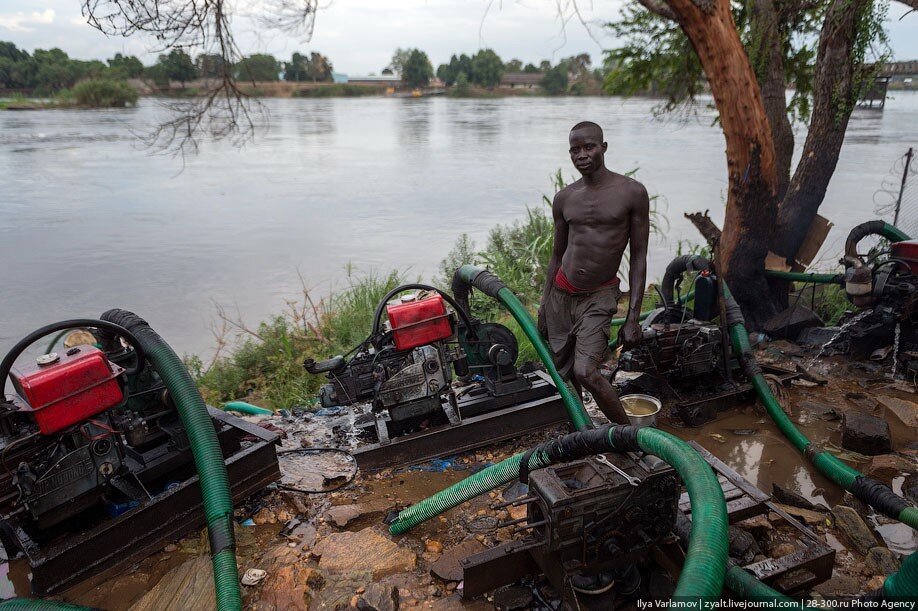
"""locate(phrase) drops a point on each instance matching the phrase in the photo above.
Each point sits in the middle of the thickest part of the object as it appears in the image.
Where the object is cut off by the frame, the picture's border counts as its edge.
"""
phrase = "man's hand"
(630, 335)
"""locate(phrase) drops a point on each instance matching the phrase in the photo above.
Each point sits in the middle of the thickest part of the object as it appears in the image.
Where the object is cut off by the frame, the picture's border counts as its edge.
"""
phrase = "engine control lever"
(605, 461)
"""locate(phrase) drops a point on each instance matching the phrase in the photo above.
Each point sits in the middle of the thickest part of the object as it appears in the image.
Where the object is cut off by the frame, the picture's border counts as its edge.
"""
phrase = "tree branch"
(662, 9)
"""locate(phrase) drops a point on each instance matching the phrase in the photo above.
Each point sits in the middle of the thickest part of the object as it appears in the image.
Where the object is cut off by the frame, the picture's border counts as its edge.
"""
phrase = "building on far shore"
(386, 80)
(521, 80)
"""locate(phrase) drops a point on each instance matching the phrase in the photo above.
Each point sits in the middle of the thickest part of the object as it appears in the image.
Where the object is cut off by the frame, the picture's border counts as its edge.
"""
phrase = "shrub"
(104, 93)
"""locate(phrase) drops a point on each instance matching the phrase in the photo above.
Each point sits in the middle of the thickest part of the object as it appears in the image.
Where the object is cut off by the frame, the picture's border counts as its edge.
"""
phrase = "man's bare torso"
(598, 221)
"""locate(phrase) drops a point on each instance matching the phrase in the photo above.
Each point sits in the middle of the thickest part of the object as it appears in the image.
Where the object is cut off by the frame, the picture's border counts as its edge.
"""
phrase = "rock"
(887, 466)
(172, 547)
(820, 410)
(853, 529)
(365, 550)
(264, 516)
(188, 586)
(808, 516)
(253, 577)
(875, 583)
(783, 549)
(742, 545)
(881, 561)
(514, 597)
(906, 411)
(759, 526)
(379, 597)
(342, 514)
(448, 567)
(910, 488)
(862, 400)
(839, 585)
(434, 547)
(789, 497)
(865, 434)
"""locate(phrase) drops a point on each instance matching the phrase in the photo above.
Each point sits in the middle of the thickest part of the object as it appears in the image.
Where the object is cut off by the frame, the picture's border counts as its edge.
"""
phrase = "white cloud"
(15, 22)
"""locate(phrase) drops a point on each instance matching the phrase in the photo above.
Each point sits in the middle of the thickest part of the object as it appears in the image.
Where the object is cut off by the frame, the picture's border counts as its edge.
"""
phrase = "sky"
(359, 36)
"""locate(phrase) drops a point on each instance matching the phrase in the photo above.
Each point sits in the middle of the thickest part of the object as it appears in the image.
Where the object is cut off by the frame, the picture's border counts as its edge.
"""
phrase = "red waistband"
(562, 282)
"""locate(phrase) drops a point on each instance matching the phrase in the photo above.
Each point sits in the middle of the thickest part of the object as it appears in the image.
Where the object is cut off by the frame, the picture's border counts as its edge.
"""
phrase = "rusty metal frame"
(116, 544)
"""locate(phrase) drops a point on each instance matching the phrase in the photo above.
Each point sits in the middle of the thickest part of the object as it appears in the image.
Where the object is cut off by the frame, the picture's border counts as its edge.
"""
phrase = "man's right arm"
(558, 248)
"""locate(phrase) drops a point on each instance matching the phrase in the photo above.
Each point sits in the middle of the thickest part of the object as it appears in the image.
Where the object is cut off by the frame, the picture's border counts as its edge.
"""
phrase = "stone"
(789, 497)
(341, 515)
(853, 529)
(434, 547)
(379, 597)
(448, 567)
(188, 586)
(820, 410)
(910, 488)
(264, 516)
(906, 411)
(808, 516)
(839, 585)
(862, 400)
(865, 434)
(364, 550)
(742, 545)
(887, 466)
(783, 549)
(881, 561)
(514, 597)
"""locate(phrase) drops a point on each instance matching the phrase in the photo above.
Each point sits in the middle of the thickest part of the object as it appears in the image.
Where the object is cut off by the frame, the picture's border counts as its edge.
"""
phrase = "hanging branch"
(223, 111)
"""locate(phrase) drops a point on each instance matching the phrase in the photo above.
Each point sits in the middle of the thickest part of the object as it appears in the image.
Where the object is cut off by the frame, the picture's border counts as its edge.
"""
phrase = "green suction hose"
(869, 490)
(246, 408)
(37, 604)
(205, 448)
(807, 277)
(489, 284)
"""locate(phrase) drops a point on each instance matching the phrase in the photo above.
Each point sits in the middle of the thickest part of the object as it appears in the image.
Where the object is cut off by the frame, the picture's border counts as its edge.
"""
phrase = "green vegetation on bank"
(338, 90)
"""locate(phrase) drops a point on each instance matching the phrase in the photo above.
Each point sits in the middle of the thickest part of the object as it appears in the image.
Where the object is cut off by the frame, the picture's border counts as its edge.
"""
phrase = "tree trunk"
(751, 199)
(835, 95)
(768, 59)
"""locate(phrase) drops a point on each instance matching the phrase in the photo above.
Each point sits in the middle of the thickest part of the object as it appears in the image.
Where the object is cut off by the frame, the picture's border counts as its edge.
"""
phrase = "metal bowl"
(642, 410)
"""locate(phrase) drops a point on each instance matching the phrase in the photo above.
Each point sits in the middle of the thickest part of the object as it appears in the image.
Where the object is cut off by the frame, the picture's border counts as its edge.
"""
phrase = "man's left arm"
(639, 235)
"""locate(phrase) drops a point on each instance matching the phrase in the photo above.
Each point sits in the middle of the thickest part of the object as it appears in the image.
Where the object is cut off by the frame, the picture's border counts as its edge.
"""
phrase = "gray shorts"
(579, 326)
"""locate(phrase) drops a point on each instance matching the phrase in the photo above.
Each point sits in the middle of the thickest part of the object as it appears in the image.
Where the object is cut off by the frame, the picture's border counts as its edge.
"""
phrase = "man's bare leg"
(602, 391)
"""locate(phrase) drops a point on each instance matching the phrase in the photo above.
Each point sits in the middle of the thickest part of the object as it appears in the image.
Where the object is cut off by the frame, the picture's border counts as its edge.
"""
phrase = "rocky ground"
(332, 550)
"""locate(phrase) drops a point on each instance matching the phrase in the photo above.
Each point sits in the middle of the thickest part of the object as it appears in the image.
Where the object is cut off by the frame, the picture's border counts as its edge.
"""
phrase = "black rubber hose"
(7, 364)
(880, 228)
(460, 310)
(675, 269)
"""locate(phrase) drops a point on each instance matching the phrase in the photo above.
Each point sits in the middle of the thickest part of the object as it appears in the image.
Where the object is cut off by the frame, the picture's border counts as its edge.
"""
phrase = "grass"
(93, 93)
(338, 90)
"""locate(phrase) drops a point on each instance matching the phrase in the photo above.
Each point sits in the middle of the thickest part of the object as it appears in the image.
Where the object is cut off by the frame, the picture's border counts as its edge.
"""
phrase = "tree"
(210, 65)
(531, 69)
(125, 66)
(514, 65)
(399, 60)
(296, 70)
(177, 66)
(487, 68)
(318, 68)
(555, 80)
(747, 67)
(544, 65)
(417, 70)
(258, 67)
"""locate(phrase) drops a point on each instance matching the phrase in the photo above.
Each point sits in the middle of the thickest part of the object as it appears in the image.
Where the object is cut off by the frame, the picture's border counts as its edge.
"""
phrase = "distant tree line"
(52, 70)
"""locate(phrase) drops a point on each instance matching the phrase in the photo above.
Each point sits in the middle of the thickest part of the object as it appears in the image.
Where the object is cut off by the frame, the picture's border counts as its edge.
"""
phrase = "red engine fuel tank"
(420, 322)
(64, 389)
(908, 252)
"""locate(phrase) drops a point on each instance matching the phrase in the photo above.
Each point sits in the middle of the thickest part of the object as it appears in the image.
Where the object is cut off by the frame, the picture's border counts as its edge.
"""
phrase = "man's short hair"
(589, 125)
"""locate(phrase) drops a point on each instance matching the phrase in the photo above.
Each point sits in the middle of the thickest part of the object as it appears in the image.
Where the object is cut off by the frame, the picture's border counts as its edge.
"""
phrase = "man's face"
(587, 150)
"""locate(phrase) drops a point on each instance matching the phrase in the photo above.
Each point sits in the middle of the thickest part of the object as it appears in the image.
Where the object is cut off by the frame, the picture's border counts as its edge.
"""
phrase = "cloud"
(15, 22)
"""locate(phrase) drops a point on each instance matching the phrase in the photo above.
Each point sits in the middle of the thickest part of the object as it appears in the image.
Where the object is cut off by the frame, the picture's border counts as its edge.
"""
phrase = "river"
(92, 220)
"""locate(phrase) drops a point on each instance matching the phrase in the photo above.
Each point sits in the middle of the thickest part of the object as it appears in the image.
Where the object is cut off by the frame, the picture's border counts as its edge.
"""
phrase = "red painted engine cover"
(80, 385)
(417, 323)
(908, 252)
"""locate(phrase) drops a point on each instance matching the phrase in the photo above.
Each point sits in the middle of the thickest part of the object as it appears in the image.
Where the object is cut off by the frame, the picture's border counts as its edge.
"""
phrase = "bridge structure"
(892, 75)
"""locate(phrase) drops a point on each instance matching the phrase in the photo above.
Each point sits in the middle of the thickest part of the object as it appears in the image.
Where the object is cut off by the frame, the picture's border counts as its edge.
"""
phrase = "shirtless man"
(595, 218)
